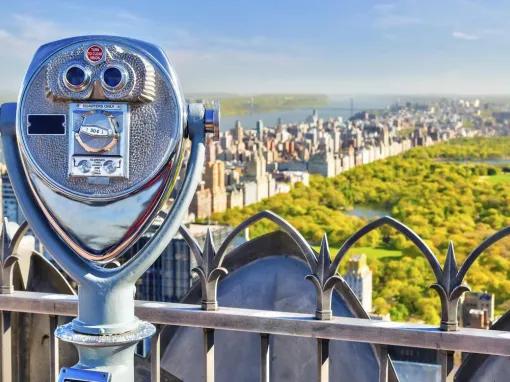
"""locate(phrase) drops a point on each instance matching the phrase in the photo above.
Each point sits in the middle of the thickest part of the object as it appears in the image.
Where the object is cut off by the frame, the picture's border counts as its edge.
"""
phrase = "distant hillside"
(238, 105)
(232, 104)
(8, 97)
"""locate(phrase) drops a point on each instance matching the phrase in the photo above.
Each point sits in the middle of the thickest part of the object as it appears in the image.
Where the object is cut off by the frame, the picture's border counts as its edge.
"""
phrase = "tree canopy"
(454, 191)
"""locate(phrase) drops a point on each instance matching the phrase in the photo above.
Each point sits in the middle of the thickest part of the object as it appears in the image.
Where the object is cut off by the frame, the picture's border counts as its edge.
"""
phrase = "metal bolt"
(212, 122)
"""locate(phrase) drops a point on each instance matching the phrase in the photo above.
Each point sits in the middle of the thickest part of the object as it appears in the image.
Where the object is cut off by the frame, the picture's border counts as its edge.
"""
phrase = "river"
(339, 106)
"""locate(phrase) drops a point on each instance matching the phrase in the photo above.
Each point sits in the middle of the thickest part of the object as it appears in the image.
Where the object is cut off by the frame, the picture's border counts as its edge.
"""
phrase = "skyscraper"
(215, 175)
(215, 181)
(238, 132)
(201, 204)
(260, 130)
(359, 279)
(10, 206)
(477, 310)
(170, 277)
(210, 151)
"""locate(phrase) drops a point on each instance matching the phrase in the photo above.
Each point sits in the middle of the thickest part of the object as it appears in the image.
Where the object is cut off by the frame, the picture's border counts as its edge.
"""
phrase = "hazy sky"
(333, 47)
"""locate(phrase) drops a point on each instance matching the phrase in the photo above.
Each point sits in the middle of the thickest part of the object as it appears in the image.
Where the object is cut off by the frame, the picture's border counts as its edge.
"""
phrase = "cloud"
(4, 34)
(388, 16)
(384, 7)
(233, 63)
(395, 21)
(20, 36)
(187, 47)
(130, 17)
(465, 36)
(212, 60)
(24, 34)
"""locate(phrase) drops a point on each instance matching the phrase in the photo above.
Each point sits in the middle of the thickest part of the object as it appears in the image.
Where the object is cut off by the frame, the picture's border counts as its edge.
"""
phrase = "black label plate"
(46, 124)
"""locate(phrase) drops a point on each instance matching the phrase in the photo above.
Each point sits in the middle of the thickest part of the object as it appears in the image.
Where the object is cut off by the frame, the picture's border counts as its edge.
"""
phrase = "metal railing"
(266, 323)
(321, 326)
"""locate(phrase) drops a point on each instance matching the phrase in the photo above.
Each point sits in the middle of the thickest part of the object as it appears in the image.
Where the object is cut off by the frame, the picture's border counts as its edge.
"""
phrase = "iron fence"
(322, 326)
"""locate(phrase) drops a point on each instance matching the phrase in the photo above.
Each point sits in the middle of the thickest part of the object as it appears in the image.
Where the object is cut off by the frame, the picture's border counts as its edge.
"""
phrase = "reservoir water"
(366, 212)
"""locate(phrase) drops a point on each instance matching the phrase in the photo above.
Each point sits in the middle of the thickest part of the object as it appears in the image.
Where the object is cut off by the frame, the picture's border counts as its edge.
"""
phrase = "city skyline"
(365, 47)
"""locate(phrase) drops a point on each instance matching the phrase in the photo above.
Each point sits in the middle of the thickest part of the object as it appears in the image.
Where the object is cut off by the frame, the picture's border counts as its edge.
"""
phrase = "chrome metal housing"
(113, 211)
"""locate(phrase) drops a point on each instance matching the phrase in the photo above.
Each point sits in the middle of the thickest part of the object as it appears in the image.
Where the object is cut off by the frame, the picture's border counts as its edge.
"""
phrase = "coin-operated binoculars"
(93, 149)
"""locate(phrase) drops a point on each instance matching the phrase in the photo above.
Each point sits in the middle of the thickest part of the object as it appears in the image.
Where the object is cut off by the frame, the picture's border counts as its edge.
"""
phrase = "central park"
(457, 191)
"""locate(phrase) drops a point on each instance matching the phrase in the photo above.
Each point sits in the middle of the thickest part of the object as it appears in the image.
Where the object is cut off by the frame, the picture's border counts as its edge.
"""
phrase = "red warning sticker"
(94, 53)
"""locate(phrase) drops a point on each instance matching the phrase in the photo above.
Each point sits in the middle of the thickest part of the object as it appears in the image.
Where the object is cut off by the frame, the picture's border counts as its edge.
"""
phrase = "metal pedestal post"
(106, 308)
(106, 330)
(105, 333)
(112, 355)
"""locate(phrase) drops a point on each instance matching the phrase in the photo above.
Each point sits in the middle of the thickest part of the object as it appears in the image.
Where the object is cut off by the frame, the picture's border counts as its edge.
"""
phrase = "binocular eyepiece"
(100, 128)
(93, 159)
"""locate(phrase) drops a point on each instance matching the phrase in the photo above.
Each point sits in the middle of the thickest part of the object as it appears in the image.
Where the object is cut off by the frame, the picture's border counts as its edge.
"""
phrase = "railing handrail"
(281, 323)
